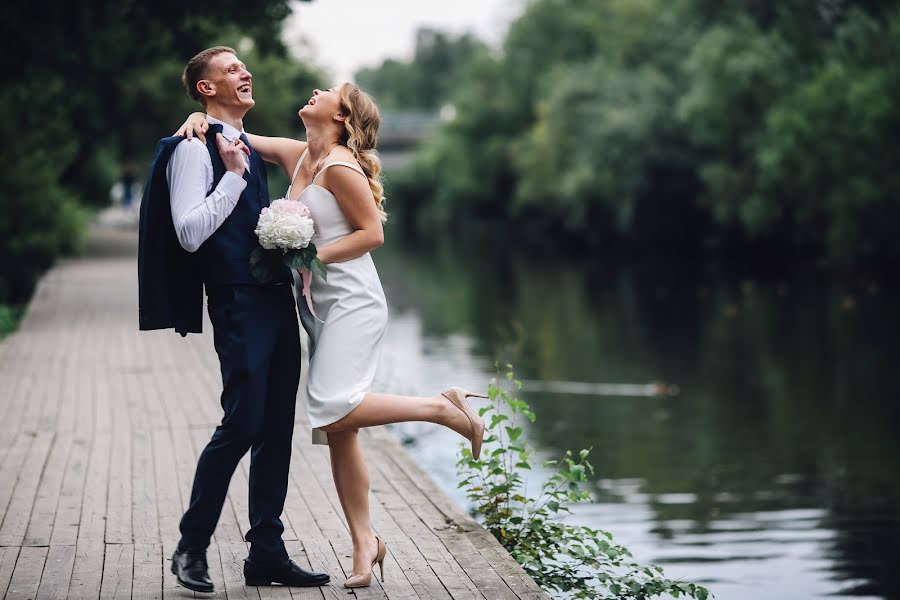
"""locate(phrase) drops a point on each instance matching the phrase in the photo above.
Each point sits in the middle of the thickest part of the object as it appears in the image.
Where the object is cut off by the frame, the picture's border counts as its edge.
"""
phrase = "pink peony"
(295, 207)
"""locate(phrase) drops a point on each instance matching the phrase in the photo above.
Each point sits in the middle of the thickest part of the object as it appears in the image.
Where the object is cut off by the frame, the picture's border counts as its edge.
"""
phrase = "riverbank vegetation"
(567, 560)
(688, 127)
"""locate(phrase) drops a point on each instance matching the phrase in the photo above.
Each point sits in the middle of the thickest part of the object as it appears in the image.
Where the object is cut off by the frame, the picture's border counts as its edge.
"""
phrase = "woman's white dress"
(345, 346)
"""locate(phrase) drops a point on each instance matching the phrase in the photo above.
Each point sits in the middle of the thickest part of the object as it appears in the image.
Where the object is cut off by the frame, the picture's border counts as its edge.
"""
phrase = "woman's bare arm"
(284, 152)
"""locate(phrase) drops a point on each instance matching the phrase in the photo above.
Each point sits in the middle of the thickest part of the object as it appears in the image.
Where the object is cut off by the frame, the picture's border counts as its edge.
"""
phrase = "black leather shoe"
(191, 570)
(286, 573)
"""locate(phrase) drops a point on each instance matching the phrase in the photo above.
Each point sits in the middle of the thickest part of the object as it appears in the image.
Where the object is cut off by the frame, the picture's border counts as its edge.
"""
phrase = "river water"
(773, 473)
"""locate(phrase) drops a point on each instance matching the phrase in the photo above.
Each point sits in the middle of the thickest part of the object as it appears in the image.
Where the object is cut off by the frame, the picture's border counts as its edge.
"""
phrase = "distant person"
(125, 192)
(337, 174)
(128, 182)
(197, 229)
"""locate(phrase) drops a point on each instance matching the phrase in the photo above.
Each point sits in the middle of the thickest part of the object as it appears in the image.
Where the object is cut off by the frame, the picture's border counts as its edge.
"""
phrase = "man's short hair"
(195, 70)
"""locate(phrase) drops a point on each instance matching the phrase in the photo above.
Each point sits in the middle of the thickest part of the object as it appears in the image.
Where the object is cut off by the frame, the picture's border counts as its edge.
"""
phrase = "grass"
(10, 316)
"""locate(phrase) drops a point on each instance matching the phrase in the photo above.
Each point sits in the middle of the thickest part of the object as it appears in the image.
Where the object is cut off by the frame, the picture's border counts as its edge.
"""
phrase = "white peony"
(285, 225)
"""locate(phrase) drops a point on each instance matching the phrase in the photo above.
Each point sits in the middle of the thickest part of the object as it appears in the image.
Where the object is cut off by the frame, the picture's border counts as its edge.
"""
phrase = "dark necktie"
(249, 159)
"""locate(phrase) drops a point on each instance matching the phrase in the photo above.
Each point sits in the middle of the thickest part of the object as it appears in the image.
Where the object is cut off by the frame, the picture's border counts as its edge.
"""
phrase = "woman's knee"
(338, 434)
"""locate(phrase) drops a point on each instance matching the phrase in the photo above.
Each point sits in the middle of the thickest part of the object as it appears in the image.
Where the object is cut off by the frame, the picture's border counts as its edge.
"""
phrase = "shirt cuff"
(232, 185)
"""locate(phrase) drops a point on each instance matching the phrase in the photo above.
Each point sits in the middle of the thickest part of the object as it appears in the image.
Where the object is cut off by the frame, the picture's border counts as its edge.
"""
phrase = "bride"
(336, 173)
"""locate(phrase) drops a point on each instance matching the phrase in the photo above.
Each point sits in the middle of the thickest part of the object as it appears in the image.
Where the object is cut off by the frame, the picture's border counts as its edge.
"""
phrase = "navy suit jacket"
(170, 286)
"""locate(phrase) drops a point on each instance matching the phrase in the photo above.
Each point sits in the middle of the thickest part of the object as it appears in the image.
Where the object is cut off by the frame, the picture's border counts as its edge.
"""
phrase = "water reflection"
(772, 474)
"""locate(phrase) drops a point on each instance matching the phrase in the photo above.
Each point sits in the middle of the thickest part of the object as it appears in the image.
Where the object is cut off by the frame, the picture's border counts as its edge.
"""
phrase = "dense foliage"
(569, 561)
(685, 125)
(92, 86)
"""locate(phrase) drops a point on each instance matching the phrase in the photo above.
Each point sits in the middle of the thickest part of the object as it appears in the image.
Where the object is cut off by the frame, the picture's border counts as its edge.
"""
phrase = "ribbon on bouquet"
(307, 276)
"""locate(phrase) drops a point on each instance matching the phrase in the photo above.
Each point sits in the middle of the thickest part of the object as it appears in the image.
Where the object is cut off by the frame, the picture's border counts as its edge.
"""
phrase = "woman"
(337, 174)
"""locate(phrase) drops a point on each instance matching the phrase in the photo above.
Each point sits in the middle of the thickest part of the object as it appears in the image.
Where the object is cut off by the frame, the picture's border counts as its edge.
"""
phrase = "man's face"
(230, 81)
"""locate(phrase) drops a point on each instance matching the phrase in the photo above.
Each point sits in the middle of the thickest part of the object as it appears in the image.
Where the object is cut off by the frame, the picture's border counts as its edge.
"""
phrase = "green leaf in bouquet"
(295, 259)
(317, 267)
(264, 264)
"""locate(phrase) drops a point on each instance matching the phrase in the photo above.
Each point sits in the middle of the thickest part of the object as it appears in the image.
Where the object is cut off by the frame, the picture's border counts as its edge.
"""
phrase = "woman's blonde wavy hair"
(360, 135)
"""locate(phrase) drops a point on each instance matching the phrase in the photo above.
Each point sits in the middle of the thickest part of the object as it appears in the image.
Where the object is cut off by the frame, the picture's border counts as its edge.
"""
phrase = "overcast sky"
(344, 35)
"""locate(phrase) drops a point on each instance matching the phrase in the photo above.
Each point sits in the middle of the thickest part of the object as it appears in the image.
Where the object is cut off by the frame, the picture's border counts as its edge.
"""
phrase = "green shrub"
(570, 561)
(10, 315)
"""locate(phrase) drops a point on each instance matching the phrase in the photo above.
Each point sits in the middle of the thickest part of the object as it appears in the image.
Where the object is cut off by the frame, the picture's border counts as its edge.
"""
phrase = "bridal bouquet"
(284, 230)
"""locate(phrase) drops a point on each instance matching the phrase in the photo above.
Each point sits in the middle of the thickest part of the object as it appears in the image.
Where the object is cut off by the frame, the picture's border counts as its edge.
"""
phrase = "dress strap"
(296, 170)
(343, 164)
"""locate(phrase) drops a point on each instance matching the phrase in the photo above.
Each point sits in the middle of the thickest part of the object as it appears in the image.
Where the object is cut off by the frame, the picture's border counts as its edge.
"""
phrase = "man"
(216, 191)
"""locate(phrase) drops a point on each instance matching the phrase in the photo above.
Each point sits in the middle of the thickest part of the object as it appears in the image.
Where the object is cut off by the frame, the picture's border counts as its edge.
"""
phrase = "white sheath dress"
(345, 347)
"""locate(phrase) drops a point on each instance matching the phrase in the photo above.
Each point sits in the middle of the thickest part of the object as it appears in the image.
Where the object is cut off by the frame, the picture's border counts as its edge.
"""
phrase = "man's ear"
(206, 88)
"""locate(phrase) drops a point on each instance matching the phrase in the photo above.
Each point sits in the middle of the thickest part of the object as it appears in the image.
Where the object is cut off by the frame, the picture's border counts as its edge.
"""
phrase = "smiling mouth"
(312, 101)
(245, 89)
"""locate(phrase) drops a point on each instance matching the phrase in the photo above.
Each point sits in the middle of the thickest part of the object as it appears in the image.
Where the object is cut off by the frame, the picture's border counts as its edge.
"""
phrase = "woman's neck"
(320, 143)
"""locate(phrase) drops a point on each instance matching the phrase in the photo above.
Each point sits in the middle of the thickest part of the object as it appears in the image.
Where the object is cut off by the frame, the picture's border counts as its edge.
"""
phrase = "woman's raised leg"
(381, 409)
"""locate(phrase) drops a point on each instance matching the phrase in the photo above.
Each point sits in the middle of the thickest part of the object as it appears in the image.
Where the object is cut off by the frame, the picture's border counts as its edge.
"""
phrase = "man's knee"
(240, 433)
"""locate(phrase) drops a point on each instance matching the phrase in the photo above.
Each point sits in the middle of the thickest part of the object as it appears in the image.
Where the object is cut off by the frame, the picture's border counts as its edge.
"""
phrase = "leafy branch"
(569, 561)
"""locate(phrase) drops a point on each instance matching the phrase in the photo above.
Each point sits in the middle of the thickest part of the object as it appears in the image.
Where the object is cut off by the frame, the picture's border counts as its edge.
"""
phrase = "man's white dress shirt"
(195, 215)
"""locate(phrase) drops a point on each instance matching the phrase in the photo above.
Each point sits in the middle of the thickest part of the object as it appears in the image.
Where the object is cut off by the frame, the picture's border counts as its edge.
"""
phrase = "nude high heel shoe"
(458, 397)
(366, 580)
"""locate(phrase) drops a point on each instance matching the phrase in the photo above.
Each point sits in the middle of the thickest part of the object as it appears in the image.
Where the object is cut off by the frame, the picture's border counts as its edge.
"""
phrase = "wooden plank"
(8, 556)
(12, 465)
(118, 567)
(170, 587)
(144, 505)
(14, 402)
(298, 555)
(92, 524)
(27, 575)
(232, 556)
(17, 515)
(7, 436)
(148, 572)
(64, 400)
(68, 512)
(82, 422)
(37, 394)
(57, 573)
(43, 514)
(168, 495)
(118, 503)
(88, 571)
(214, 560)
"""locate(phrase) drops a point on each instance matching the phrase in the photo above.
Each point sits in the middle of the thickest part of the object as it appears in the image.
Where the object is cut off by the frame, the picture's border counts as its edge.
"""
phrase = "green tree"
(827, 153)
(92, 86)
(741, 125)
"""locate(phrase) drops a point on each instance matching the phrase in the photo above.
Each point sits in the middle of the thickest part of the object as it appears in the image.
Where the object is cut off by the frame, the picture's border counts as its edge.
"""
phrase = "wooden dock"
(100, 427)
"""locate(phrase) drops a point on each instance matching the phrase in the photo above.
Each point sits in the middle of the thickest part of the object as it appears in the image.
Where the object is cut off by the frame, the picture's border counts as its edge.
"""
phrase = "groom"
(201, 206)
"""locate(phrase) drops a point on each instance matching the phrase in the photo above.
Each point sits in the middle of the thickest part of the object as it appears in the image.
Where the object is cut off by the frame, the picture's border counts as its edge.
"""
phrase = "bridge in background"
(403, 130)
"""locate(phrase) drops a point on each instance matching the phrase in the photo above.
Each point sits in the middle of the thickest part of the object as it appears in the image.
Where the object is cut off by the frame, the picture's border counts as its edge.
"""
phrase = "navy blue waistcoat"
(225, 255)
